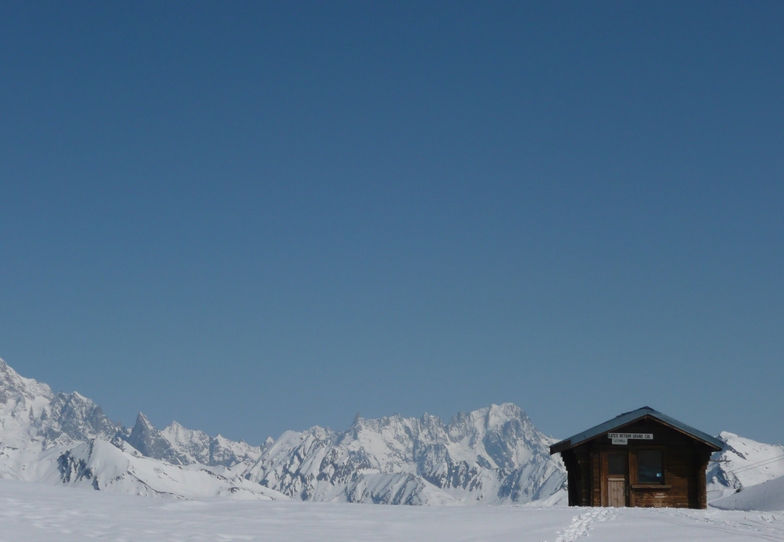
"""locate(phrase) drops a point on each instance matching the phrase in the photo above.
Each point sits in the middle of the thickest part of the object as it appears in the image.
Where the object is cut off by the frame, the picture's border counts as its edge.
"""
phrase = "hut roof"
(630, 417)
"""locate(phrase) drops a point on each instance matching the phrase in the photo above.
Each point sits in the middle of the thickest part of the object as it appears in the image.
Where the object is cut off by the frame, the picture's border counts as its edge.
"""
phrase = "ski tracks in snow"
(581, 524)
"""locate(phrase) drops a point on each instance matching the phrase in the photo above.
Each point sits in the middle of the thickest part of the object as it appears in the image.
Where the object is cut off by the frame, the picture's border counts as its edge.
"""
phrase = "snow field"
(38, 512)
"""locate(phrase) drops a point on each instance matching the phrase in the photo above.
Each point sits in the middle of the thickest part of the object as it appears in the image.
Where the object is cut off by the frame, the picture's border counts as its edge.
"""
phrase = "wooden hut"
(640, 458)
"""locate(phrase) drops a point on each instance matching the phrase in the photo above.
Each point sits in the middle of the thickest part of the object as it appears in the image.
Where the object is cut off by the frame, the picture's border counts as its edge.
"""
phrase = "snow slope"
(118, 467)
(767, 496)
(35, 512)
(743, 463)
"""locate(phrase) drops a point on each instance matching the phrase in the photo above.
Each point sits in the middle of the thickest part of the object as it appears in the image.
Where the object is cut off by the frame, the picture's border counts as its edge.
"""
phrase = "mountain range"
(493, 455)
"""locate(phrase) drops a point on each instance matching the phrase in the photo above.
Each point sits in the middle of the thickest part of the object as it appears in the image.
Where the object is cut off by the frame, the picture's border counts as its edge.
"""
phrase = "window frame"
(662, 455)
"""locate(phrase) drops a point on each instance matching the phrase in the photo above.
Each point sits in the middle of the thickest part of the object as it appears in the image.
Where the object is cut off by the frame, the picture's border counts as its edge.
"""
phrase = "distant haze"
(254, 217)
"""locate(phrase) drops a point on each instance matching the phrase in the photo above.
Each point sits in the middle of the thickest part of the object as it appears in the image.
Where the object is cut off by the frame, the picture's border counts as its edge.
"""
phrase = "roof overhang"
(631, 417)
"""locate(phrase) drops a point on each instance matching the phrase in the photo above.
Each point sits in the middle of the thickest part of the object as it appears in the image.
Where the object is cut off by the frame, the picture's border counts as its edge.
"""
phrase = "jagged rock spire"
(149, 441)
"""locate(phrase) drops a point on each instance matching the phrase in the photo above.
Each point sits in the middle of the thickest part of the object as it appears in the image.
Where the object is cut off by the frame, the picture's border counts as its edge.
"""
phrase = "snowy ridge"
(198, 447)
(181, 446)
(106, 466)
(492, 455)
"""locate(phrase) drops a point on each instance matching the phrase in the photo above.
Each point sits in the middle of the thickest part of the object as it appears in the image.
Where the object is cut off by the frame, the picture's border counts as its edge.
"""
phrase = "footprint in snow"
(580, 525)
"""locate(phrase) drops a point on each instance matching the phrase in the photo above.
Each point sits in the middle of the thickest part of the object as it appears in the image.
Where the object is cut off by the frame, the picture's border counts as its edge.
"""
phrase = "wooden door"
(616, 492)
(616, 467)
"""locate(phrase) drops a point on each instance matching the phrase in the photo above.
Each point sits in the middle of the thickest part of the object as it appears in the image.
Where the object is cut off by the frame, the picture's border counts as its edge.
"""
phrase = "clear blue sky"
(259, 216)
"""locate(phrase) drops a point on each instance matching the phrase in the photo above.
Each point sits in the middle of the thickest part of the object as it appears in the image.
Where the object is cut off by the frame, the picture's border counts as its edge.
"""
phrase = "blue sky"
(253, 217)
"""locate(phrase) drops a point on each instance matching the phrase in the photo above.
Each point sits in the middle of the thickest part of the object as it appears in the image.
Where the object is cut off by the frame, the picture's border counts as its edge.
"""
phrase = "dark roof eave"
(560, 446)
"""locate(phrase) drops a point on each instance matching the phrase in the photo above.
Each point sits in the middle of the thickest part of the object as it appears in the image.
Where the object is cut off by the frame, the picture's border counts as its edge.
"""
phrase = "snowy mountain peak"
(32, 416)
(142, 422)
(497, 415)
(14, 387)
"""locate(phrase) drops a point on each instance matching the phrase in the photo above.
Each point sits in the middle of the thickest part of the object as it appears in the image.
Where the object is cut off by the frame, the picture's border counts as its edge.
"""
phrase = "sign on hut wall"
(624, 438)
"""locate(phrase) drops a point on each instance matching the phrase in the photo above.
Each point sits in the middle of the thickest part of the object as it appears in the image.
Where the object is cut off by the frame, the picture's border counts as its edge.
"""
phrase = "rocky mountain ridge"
(492, 455)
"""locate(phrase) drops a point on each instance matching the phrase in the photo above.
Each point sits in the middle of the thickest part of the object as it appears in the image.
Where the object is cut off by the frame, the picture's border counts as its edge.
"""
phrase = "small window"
(649, 467)
(616, 463)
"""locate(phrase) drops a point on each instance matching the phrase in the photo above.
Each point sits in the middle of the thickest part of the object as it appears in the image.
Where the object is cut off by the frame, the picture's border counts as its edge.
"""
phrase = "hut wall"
(684, 462)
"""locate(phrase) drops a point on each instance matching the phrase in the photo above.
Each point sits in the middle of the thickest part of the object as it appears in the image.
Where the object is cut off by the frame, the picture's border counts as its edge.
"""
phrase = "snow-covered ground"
(39, 512)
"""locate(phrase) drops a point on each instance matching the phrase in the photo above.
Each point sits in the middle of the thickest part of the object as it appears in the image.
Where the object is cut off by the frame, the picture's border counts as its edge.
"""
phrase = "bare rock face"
(77, 418)
(151, 443)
